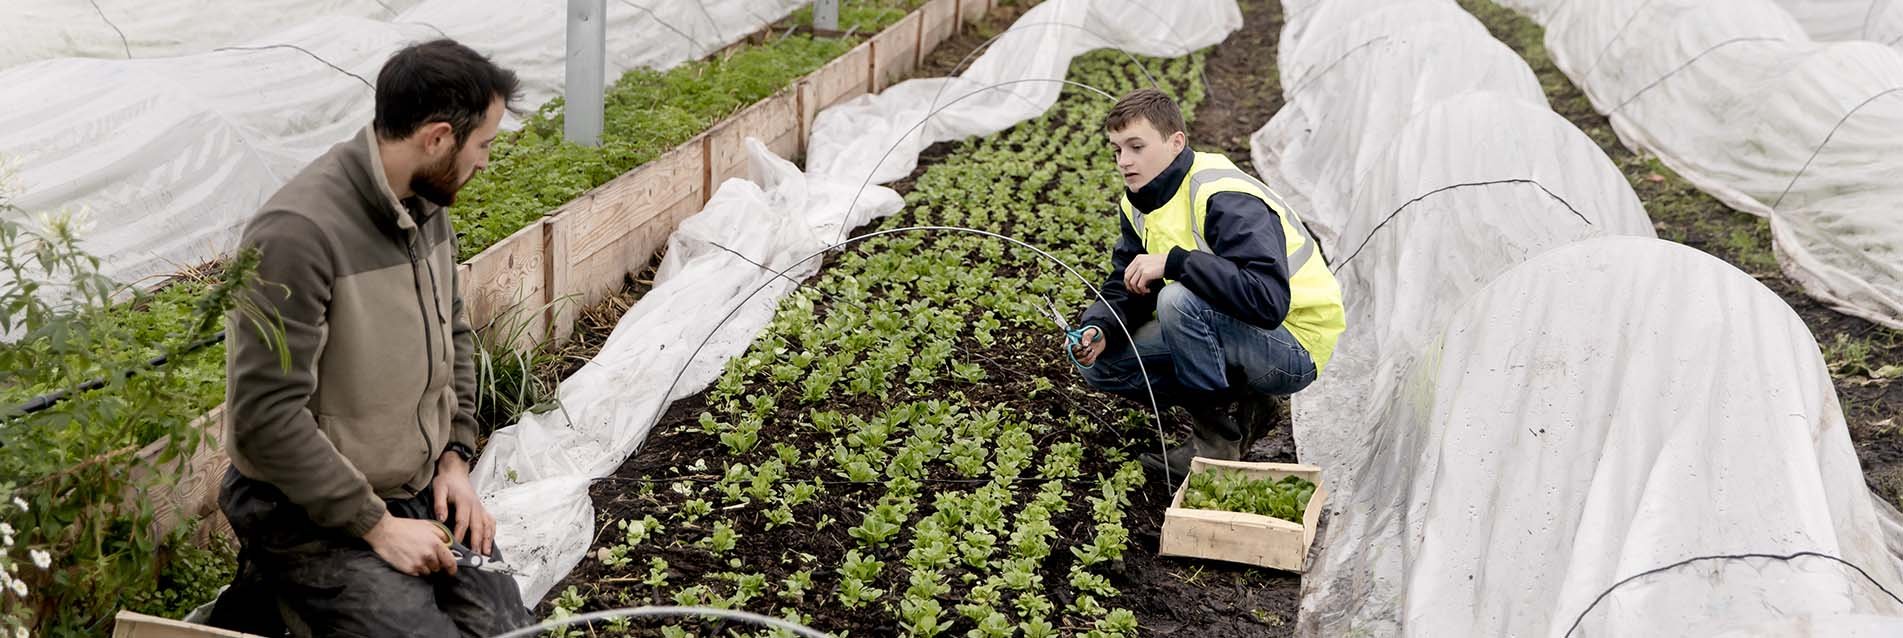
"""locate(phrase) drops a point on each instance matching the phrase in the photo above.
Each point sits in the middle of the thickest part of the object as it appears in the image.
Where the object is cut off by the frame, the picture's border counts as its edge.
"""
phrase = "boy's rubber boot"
(1259, 414)
(1213, 436)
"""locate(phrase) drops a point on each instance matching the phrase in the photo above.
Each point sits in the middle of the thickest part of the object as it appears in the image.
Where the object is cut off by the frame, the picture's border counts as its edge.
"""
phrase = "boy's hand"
(1089, 346)
(1143, 270)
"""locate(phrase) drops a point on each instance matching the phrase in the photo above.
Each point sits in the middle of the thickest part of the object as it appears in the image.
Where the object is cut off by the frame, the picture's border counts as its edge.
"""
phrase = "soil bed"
(1024, 373)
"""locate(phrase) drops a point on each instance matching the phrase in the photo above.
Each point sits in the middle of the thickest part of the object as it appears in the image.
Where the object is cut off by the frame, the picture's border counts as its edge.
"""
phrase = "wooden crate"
(613, 229)
(939, 22)
(1250, 539)
(895, 52)
(136, 625)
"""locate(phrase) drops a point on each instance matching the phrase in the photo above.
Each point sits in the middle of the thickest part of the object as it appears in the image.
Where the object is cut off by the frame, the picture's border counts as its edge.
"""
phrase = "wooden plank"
(509, 286)
(844, 78)
(191, 492)
(895, 52)
(774, 121)
(127, 624)
(614, 229)
(938, 22)
(973, 11)
(1239, 537)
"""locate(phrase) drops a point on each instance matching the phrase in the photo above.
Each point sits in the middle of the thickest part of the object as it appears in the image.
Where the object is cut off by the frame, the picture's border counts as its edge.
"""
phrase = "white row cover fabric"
(1736, 97)
(33, 30)
(167, 157)
(534, 474)
(1534, 398)
(1879, 21)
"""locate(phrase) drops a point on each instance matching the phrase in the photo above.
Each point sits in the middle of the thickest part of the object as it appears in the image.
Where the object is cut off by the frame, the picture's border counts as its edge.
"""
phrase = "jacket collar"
(1164, 186)
(364, 164)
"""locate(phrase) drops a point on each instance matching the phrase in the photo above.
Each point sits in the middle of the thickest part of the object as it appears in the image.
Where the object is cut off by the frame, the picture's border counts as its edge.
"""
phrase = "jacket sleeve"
(1246, 273)
(462, 424)
(1135, 309)
(268, 391)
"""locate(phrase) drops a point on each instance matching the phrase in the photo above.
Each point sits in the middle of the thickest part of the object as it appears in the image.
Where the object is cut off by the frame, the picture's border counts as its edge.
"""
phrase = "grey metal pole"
(586, 76)
(826, 15)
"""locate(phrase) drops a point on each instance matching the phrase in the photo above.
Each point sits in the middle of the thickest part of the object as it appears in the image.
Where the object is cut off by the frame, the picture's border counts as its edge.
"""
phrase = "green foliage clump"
(1233, 491)
(533, 170)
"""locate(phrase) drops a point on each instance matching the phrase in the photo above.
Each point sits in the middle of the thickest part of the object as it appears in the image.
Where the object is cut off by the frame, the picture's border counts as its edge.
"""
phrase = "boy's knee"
(1176, 301)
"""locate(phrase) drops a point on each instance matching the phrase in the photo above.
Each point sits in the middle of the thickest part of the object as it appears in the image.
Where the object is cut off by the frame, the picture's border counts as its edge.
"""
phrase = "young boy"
(1224, 291)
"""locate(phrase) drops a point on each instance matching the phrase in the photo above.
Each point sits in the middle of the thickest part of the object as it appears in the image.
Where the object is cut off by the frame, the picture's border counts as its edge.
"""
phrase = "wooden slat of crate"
(129, 624)
(192, 493)
(615, 228)
(846, 77)
(895, 52)
(939, 21)
(1244, 538)
(774, 121)
(508, 285)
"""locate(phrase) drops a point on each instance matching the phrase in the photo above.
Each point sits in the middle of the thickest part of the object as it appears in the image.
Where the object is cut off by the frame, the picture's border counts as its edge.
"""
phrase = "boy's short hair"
(1149, 104)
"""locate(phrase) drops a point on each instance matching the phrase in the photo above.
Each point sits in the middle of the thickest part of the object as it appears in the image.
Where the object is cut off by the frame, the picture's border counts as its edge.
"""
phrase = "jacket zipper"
(429, 343)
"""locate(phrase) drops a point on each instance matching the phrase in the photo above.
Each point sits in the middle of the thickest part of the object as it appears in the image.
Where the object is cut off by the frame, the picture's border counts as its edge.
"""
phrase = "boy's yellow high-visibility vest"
(1314, 317)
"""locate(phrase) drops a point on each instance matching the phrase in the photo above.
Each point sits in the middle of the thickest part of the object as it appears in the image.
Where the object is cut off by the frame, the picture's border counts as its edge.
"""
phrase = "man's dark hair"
(439, 81)
(1148, 104)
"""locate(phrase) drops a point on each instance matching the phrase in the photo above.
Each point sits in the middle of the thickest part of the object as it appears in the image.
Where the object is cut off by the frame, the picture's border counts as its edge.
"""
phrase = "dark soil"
(1245, 87)
(1854, 348)
(1171, 597)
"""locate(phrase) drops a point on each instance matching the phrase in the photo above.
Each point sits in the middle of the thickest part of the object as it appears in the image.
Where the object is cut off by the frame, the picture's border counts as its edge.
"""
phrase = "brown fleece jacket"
(381, 377)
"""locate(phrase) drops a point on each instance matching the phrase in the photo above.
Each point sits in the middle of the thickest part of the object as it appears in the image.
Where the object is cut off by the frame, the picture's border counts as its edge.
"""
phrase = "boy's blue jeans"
(1189, 350)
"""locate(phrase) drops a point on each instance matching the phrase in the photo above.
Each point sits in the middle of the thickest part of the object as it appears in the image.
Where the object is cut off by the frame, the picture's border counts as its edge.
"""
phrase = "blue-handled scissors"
(1072, 336)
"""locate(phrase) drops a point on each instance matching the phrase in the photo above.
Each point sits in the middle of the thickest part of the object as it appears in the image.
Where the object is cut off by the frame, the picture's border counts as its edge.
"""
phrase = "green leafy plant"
(1233, 491)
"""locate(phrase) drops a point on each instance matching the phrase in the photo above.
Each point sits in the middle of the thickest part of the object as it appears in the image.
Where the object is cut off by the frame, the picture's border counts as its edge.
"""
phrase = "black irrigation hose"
(1779, 557)
(1397, 212)
(48, 400)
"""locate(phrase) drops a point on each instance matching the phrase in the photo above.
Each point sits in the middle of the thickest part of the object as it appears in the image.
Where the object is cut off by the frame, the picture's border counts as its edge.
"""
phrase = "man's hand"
(1089, 346)
(452, 488)
(1143, 270)
(415, 547)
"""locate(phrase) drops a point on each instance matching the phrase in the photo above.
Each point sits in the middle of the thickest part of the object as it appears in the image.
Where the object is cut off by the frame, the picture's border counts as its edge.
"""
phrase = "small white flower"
(6, 528)
(7, 540)
(20, 632)
(20, 503)
(41, 558)
(19, 587)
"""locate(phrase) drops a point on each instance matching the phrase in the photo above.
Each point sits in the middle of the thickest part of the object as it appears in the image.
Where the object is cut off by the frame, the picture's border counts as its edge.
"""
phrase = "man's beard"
(438, 182)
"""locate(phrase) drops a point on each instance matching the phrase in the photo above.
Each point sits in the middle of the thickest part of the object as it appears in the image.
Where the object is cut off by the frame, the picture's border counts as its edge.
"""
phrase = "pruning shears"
(469, 558)
(1072, 336)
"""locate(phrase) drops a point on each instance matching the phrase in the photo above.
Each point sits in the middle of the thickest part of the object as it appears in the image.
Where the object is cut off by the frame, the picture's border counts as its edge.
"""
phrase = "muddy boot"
(1214, 436)
(1259, 414)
